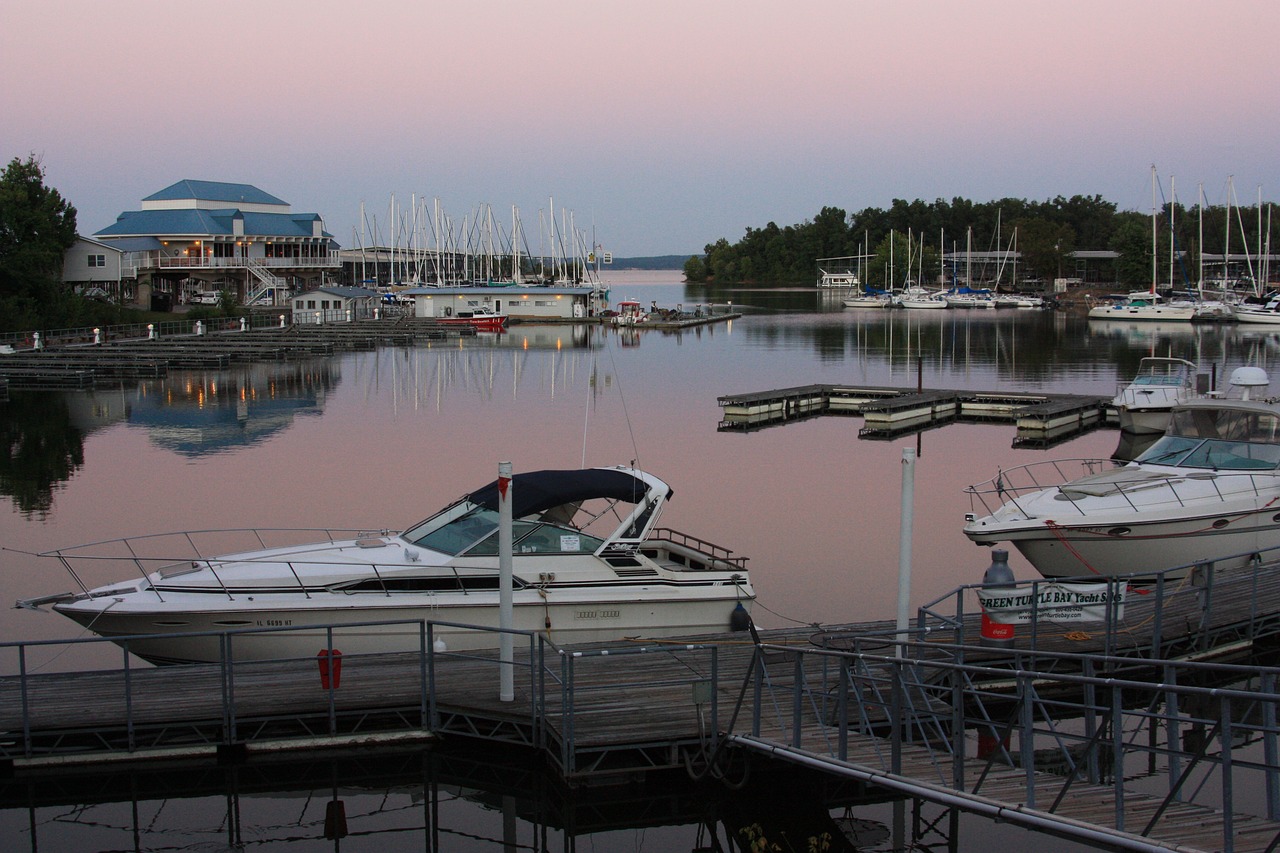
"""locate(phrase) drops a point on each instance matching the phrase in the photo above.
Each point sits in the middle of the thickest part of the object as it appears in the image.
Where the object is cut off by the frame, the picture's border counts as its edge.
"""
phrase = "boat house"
(207, 235)
(533, 302)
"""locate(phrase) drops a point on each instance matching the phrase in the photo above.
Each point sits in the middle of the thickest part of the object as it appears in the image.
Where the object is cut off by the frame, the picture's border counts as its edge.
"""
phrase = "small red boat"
(485, 319)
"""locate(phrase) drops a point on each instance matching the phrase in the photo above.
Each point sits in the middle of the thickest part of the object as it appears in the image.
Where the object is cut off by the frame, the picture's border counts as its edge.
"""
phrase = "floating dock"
(1028, 733)
(891, 412)
(81, 364)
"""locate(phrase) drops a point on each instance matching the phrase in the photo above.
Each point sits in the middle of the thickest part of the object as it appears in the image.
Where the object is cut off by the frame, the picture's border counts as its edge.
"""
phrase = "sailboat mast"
(1173, 200)
(1153, 228)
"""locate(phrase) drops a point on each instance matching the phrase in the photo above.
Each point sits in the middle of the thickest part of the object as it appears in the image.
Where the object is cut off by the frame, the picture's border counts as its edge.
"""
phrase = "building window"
(97, 260)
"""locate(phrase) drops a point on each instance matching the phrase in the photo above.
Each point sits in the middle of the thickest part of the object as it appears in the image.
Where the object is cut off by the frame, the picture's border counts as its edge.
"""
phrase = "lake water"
(382, 439)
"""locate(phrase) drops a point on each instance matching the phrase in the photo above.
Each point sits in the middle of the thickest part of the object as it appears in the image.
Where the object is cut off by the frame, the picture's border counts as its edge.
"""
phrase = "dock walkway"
(818, 696)
(889, 412)
(82, 364)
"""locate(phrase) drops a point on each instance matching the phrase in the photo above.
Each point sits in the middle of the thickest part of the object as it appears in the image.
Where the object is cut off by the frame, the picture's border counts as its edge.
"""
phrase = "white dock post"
(904, 544)
(506, 657)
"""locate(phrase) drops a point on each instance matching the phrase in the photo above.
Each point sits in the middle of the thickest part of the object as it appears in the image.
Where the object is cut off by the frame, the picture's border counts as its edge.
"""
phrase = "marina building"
(197, 236)
(551, 302)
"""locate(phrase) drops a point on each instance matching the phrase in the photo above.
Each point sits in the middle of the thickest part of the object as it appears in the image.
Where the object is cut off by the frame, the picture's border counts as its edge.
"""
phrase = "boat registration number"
(274, 623)
(597, 614)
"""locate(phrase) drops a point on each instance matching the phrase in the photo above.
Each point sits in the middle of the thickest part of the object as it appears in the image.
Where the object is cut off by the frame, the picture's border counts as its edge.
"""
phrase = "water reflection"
(44, 443)
(194, 413)
(379, 438)
(434, 800)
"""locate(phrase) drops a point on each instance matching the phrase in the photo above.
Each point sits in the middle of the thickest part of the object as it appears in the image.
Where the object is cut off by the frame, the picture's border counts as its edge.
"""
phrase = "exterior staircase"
(268, 280)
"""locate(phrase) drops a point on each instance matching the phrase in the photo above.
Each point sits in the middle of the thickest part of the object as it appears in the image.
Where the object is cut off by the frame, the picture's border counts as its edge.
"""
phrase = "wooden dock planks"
(890, 412)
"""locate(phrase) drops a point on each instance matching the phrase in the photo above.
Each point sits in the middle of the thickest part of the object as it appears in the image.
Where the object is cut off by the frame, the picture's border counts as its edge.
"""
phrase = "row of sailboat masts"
(915, 258)
(428, 247)
(1260, 276)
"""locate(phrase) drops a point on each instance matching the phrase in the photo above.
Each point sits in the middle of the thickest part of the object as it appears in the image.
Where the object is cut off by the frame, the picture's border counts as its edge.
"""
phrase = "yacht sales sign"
(1056, 602)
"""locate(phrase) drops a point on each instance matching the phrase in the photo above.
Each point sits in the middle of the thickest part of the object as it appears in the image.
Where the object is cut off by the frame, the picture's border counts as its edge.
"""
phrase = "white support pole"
(904, 543)
(507, 690)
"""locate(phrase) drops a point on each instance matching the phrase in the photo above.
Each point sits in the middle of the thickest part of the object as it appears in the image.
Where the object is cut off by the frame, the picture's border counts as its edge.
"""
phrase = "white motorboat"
(1207, 490)
(1143, 305)
(1252, 312)
(1144, 404)
(588, 564)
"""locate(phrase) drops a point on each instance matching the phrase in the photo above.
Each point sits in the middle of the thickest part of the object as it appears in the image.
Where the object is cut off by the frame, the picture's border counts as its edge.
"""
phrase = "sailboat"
(1145, 304)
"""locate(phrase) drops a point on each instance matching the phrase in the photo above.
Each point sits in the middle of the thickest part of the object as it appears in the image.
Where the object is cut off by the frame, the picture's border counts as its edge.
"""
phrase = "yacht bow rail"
(1156, 490)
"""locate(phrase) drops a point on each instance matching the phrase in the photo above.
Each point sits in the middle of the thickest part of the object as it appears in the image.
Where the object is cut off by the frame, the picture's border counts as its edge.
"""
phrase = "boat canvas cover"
(538, 491)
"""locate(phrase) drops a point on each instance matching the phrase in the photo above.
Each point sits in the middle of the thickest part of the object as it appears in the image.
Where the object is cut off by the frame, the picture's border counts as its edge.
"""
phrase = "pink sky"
(665, 125)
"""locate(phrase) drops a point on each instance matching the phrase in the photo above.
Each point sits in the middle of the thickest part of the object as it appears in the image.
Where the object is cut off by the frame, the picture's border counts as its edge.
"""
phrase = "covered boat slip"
(1025, 733)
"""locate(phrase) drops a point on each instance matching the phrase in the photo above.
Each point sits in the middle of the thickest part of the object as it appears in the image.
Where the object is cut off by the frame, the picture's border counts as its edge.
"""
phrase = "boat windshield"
(1218, 439)
(473, 530)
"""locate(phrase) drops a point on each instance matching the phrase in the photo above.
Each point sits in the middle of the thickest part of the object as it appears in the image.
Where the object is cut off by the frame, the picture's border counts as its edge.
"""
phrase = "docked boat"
(588, 564)
(1143, 305)
(1267, 313)
(919, 298)
(1144, 404)
(1207, 490)
(483, 317)
(629, 313)
(964, 297)
(869, 298)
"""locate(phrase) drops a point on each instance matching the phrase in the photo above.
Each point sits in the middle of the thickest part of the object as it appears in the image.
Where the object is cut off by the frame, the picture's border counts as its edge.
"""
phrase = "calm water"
(382, 439)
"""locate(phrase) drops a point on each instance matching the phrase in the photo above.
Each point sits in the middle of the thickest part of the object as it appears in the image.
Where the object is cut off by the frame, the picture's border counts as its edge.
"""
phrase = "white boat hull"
(1099, 549)
(1163, 313)
(1143, 421)
(561, 617)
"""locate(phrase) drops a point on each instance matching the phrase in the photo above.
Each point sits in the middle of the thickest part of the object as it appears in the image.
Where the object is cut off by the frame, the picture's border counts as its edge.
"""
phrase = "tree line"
(1044, 233)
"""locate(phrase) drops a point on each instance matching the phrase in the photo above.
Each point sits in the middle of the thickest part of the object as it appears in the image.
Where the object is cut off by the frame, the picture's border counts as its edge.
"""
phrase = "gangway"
(1092, 748)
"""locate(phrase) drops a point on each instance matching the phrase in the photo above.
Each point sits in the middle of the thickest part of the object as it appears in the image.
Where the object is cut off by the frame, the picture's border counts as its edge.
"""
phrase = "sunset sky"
(662, 125)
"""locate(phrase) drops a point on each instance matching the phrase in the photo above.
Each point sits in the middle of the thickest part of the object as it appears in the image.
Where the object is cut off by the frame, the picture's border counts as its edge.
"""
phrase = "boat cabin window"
(441, 583)
(531, 537)
(475, 532)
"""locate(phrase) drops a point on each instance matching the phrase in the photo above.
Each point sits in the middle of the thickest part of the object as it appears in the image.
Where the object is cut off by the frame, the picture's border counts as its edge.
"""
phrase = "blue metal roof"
(214, 191)
(208, 223)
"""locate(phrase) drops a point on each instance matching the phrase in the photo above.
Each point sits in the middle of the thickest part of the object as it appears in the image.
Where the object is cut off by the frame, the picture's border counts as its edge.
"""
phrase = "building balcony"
(134, 262)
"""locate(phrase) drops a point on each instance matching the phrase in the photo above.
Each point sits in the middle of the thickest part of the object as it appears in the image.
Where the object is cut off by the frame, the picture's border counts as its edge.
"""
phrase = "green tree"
(1132, 240)
(695, 269)
(37, 226)
(1043, 245)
